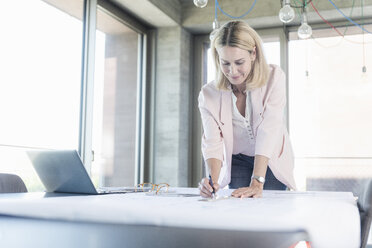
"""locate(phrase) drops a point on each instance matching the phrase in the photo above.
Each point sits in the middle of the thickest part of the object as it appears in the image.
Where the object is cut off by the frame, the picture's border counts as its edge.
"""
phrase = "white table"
(330, 219)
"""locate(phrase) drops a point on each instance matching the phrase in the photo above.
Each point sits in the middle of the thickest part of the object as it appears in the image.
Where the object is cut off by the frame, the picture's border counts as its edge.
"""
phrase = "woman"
(245, 142)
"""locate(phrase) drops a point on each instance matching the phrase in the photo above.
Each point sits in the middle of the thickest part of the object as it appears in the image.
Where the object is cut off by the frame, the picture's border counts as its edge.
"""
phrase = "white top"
(244, 141)
(330, 218)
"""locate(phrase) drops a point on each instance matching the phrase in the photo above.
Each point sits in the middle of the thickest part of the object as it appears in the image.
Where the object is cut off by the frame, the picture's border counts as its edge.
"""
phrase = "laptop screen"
(61, 171)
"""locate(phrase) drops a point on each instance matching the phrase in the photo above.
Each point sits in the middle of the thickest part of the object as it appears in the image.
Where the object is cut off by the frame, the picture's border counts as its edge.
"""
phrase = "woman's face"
(236, 63)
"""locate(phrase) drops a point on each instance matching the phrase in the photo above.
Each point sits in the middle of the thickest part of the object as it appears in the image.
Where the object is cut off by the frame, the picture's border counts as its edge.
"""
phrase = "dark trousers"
(242, 170)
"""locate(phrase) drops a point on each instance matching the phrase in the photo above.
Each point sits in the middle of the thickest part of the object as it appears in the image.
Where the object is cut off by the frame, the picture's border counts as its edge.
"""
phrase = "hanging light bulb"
(200, 3)
(216, 26)
(304, 31)
(286, 14)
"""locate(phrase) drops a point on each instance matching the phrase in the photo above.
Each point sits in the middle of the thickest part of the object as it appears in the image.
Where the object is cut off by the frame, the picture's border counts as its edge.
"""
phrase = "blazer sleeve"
(212, 141)
(269, 132)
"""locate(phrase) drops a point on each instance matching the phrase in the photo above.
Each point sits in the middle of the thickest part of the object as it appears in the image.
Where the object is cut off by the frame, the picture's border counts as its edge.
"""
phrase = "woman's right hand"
(205, 189)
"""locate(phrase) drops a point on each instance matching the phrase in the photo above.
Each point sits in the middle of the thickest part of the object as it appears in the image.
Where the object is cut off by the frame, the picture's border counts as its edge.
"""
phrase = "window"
(330, 111)
(40, 81)
(272, 52)
(116, 97)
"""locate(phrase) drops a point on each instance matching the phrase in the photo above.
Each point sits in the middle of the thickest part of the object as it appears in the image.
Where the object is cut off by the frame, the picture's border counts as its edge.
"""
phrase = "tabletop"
(331, 219)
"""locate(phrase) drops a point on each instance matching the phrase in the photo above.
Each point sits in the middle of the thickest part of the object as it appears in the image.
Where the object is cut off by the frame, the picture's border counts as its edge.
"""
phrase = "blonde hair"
(240, 34)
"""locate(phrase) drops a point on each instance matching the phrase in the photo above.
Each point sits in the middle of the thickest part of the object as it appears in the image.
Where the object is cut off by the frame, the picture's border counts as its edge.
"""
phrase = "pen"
(211, 183)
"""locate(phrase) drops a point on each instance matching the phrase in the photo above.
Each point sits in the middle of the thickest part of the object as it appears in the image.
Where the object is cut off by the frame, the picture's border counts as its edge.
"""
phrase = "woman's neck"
(240, 88)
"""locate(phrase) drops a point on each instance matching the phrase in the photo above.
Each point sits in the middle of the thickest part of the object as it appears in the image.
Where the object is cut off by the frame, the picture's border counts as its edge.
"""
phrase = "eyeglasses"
(152, 188)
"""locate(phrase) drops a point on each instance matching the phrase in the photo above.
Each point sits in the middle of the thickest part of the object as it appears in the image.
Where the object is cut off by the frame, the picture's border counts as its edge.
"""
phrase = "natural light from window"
(40, 82)
(330, 102)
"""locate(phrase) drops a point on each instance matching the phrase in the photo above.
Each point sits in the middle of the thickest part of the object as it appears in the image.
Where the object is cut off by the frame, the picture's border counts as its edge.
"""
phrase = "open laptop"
(63, 171)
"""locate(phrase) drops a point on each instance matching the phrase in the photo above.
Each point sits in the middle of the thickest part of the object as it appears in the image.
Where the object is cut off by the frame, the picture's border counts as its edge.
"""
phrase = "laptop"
(63, 171)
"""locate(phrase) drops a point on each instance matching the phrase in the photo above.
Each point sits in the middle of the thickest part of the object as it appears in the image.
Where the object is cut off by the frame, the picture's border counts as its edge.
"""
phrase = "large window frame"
(145, 93)
(87, 84)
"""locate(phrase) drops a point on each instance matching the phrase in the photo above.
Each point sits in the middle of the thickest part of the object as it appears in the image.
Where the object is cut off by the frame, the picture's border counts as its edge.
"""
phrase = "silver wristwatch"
(258, 178)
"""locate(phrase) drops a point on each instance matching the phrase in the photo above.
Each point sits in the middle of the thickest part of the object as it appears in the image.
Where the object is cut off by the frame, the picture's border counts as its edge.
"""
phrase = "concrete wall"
(172, 106)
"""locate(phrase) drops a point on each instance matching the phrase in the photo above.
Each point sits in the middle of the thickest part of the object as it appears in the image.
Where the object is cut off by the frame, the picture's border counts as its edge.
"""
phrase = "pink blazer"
(269, 129)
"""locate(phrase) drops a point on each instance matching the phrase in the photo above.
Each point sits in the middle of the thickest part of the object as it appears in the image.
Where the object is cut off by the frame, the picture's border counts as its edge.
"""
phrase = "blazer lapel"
(225, 108)
(226, 123)
(257, 106)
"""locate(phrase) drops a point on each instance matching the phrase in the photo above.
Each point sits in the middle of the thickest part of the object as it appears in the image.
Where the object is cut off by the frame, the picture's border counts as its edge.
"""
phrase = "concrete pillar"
(172, 110)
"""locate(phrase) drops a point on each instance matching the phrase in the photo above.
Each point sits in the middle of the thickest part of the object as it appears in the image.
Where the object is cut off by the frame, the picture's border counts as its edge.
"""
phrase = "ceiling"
(164, 13)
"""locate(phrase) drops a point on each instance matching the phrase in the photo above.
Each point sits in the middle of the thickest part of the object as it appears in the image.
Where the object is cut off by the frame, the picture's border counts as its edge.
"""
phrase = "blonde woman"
(245, 143)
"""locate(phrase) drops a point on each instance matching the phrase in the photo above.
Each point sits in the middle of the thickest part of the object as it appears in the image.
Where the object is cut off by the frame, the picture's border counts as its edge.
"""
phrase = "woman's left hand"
(254, 191)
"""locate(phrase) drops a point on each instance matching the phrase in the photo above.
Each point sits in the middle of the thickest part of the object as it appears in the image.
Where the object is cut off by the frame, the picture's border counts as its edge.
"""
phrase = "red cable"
(325, 19)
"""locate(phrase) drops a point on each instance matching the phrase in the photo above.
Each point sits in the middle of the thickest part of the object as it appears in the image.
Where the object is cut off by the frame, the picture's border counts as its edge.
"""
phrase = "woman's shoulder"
(209, 92)
(276, 79)
(275, 70)
(277, 75)
(210, 88)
